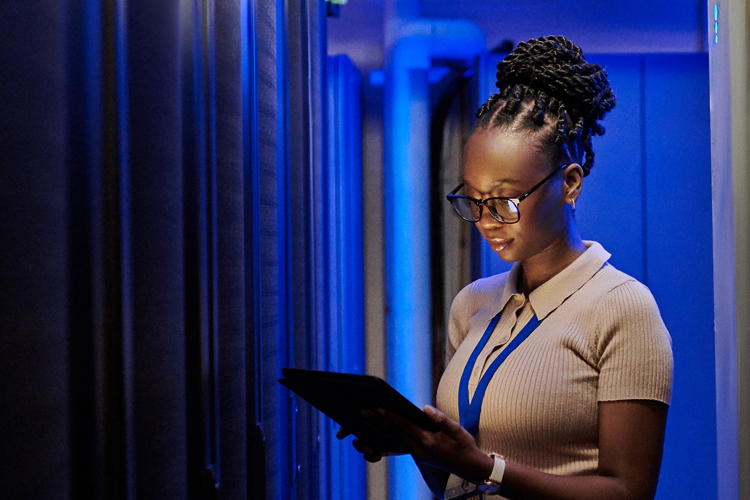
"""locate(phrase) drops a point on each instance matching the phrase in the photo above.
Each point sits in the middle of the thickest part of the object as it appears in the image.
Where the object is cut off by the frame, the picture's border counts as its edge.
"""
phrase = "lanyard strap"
(469, 411)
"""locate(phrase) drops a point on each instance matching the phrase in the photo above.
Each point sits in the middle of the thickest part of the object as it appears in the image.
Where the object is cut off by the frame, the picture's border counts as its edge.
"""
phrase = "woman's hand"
(367, 450)
(451, 449)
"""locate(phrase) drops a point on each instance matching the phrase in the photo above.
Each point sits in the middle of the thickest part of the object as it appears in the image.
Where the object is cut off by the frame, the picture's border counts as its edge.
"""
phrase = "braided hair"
(548, 87)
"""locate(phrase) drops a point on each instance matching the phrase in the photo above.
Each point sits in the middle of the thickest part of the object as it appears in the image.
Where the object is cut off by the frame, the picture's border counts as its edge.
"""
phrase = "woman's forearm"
(523, 483)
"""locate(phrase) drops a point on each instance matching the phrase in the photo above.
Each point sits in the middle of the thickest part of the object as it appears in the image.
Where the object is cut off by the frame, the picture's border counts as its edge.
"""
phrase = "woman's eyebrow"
(496, 183)
(505, 181)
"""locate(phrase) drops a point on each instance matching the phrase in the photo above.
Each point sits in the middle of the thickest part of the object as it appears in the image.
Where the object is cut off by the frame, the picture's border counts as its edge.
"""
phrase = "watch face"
(488, 487)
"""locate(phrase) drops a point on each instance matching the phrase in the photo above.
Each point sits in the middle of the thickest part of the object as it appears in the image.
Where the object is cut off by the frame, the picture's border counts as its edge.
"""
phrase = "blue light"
(377, 77)
(716, 23)
(407, 169)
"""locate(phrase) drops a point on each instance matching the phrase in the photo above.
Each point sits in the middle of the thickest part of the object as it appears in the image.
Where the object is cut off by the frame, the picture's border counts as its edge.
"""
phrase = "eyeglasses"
(503, 210)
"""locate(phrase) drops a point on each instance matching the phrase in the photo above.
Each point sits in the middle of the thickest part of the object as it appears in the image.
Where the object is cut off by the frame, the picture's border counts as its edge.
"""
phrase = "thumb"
(440, 418)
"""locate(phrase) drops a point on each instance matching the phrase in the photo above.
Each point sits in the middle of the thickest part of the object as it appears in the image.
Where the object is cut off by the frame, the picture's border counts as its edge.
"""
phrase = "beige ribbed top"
(601, 339)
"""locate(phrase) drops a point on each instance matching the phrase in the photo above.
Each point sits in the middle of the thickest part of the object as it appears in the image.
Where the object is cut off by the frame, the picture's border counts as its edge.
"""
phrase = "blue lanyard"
(469, 411)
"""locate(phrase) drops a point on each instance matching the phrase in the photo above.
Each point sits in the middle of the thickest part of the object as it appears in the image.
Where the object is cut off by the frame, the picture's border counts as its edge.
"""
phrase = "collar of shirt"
(551, 294)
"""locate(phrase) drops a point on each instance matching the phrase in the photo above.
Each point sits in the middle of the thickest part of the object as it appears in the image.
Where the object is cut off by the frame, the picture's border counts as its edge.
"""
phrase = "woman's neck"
(540, 268)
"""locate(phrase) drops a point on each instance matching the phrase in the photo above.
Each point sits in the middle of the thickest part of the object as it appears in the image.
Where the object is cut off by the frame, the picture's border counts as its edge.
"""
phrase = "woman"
(560, 371)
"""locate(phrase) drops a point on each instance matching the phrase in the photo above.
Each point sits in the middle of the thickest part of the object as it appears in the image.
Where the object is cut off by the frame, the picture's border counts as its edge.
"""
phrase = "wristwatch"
(491, 485)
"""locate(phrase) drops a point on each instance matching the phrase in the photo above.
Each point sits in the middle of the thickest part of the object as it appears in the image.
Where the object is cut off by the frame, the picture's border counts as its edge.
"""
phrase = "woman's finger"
(445, 424)
(364, 447)
(342, 433)
(360, 446)
(394, 424)
(411, 436)
(367, 452)
(372, 457)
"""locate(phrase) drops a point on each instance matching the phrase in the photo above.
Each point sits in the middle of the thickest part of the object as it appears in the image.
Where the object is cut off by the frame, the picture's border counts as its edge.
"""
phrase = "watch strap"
(498, 471)
(491, 485)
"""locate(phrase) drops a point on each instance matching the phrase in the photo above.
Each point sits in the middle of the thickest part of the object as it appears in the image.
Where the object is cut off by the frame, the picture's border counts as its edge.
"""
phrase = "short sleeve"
(634, 349)
(458, 324)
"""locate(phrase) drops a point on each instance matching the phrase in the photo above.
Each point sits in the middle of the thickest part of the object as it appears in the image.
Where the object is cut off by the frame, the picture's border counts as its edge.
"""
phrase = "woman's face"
(503, 164)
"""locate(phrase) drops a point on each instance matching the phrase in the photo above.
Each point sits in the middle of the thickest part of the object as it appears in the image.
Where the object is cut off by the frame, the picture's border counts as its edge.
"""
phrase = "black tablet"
(343, 396)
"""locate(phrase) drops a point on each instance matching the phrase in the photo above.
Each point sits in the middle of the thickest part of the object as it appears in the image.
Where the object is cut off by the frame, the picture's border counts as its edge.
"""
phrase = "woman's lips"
(499, 244)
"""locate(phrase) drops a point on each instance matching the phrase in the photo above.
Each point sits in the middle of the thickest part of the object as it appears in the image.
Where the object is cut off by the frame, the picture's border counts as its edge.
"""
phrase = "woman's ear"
(572, 182)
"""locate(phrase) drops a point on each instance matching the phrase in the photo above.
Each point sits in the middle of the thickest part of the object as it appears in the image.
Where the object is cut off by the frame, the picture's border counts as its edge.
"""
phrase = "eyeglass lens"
(502, 210)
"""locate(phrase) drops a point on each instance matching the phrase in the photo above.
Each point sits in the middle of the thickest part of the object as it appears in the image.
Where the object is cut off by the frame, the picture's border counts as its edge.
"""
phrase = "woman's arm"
(631, 440)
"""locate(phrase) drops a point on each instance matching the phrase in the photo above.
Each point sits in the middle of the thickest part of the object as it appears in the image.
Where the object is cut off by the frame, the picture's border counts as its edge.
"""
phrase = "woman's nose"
(486, 220)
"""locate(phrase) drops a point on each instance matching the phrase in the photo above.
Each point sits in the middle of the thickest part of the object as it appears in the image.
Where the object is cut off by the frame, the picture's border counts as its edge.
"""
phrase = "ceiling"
(637, 26)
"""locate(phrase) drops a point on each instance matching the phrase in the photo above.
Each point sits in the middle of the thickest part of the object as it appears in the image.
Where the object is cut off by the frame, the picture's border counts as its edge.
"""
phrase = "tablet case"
(343, 396)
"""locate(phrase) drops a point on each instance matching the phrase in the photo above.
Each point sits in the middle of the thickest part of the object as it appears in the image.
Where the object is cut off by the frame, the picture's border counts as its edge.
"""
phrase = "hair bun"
(557, 66)
(547, 85)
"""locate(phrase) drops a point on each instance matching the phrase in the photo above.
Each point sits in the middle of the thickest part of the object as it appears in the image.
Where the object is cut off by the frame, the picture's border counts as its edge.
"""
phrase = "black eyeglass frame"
(515, 201)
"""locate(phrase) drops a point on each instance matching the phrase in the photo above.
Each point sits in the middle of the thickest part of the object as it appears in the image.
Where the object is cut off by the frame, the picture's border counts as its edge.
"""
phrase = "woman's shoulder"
(622, 298)
(478, 294)
(490, 287)
(610, 280)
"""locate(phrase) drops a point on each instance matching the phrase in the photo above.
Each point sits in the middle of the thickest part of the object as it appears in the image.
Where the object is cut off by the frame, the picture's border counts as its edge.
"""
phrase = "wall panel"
(341, 468)
(611, 208)
(85, 245)
(34, 366)
(270, 339)
(154, 343)
(201, 442)
(231, 335)
(678, 178)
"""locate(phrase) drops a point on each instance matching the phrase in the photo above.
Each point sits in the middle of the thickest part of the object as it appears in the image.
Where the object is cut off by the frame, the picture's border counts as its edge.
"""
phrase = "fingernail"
(429, 409)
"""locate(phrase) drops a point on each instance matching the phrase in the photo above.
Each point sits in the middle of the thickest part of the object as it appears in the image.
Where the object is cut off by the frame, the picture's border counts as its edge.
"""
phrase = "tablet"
(343, 396)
